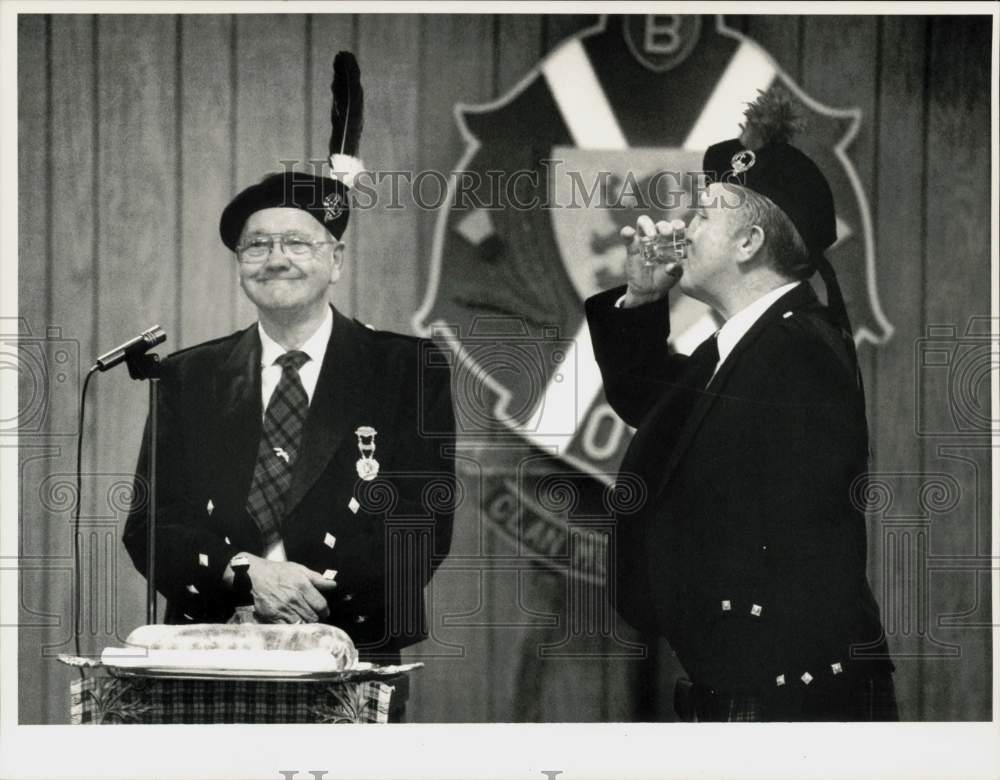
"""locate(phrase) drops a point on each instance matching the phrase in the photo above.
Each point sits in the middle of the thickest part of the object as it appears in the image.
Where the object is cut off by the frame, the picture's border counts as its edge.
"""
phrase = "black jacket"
(384, 548)
(748, 552)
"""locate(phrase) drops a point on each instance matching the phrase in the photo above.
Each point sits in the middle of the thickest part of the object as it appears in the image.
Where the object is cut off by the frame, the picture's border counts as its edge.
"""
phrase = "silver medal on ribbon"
(367, 466)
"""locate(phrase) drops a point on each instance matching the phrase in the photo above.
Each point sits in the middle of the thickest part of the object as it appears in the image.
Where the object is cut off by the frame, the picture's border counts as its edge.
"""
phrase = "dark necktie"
(710, 356)
(279, 448)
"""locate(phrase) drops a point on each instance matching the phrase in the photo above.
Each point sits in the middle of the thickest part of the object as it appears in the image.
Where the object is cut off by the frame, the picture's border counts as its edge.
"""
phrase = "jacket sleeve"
(421, 491)
(420, 496)
(190, 559)
(630, 346)
(439, 494)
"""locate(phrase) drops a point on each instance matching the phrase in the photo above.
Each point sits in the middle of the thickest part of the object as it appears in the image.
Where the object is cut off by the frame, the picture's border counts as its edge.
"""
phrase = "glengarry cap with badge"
(326, 198)
(763, 159)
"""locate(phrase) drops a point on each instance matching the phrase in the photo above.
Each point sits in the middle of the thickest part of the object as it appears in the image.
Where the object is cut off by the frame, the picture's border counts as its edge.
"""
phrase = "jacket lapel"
(794, 299)
(238, 393)
(336, 406)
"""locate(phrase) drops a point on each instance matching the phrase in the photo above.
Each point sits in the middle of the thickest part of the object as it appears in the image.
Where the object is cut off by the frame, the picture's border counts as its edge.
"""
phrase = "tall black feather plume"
(347, 111)
(771, 118)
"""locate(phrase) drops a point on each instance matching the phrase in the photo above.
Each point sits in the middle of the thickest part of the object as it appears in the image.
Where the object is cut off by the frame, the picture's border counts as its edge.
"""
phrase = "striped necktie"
(279, 448)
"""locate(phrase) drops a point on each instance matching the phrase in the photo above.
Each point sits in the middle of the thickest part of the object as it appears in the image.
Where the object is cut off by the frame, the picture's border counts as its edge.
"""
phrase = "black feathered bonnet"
(326, 198)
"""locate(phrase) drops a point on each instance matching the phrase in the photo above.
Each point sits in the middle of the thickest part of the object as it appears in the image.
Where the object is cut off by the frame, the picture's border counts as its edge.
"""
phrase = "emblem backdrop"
(134, 131)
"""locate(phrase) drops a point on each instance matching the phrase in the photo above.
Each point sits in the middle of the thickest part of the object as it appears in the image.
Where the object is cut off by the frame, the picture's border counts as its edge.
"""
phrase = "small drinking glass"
(663, 249)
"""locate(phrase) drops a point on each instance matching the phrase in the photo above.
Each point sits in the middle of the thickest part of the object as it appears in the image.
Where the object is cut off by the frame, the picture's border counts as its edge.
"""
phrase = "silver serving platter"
(363, 672)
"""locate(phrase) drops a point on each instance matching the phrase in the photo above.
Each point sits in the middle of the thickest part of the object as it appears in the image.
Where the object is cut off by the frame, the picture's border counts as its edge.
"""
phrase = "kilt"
(868, 698)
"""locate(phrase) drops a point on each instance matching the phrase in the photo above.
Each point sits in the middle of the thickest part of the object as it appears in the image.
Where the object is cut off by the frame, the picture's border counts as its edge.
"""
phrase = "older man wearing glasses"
(314, 446)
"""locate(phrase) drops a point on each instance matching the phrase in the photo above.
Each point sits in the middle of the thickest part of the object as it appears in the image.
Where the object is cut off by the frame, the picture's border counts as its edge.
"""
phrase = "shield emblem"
(511, 267)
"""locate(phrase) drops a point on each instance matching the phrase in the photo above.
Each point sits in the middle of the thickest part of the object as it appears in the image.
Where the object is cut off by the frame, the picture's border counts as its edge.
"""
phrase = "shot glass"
(663, 249)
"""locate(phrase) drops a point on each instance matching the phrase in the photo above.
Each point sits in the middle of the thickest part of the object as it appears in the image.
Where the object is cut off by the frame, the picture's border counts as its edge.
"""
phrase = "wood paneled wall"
(134, 132)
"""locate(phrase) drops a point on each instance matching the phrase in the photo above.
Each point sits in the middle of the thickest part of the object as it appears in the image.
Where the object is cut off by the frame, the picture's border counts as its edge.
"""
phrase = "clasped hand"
(286, 592)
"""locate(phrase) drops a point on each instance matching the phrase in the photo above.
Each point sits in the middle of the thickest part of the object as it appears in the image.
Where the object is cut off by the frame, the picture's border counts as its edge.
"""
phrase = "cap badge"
(367, 466)
(743, 161)
(333, 205)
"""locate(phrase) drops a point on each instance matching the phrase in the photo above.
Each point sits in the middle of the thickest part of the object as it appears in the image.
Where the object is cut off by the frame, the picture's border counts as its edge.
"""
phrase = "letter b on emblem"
(661, 41)
(662, 34)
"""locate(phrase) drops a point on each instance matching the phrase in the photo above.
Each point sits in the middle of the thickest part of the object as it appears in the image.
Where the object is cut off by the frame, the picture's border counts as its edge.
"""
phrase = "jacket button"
(727, 605)
(779, 680)
(756, 609)
(348, 596)
(836, 668)
(360, 618)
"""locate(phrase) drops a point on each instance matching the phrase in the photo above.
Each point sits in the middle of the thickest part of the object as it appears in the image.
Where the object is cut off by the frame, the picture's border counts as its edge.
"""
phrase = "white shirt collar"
(314, 346)
(737, 326)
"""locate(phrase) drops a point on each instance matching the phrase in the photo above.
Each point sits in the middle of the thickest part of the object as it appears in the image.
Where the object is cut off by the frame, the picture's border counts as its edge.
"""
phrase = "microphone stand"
(147, 366)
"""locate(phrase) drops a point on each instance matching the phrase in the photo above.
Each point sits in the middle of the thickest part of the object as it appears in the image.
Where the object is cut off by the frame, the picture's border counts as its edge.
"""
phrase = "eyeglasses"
(293, 246)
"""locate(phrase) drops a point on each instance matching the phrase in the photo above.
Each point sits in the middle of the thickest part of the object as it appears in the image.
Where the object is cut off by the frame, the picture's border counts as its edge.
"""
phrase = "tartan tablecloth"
(102, 699)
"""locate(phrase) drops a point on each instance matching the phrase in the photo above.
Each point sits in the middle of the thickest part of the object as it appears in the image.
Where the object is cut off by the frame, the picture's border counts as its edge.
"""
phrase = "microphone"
(144, 342)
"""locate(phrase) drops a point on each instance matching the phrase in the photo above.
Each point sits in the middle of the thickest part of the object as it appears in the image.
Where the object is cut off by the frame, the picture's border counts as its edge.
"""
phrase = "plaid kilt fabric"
(868, 699)
(112, 700)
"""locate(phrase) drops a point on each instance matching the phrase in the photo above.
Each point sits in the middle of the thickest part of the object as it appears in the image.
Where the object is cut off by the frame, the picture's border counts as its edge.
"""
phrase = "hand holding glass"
(664, 249)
